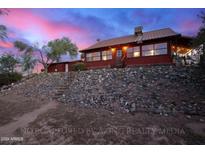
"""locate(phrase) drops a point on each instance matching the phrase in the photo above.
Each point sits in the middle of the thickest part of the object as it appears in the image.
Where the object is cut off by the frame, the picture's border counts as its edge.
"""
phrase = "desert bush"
(79, 67)
(8, 78)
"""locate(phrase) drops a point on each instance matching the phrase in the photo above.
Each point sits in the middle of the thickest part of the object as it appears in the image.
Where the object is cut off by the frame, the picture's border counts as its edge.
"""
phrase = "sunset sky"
(84, 26)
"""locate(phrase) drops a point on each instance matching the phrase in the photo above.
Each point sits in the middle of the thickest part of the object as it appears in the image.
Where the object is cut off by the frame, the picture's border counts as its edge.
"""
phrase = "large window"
(160, 49)
(148, 50)
(133, 52)
(106, 55)
(154, 49)
(95, 56)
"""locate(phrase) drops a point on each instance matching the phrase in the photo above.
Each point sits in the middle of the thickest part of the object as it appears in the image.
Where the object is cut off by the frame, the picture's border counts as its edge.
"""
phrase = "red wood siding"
(60, 67)
(161, 59)
(56, 68)
(142, 60)
(99, 64)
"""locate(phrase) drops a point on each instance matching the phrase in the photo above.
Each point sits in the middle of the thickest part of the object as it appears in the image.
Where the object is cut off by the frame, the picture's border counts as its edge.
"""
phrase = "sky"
(84, 26)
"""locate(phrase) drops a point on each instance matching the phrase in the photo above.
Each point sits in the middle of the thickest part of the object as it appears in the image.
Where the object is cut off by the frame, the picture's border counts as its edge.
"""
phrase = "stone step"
(60, 90)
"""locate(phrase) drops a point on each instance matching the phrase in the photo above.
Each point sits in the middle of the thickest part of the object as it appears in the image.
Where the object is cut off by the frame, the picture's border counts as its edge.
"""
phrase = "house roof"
(156, 34)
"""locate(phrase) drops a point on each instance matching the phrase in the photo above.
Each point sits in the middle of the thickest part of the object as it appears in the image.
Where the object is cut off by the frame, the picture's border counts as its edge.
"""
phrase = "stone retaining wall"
(160, 89)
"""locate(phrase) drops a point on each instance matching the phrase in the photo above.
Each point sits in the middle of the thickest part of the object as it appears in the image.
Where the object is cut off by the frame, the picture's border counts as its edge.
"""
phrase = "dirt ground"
(14, 106)
(26, 121)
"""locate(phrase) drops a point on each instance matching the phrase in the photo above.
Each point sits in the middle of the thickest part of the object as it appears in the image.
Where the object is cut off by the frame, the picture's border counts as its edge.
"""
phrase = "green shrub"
(79, 67)
(8, 78)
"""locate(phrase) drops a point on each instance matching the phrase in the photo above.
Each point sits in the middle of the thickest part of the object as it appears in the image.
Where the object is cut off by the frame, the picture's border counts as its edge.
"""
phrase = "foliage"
(199, 41)
(8, 78)
(60, 47)
(7, 63)
(23, 47)
(48, 53)
(27, 60)
(79, 67)
(3, 33)
(4, 11)
(3, 29)
(53, 50)
(200, 38)
(28, 63)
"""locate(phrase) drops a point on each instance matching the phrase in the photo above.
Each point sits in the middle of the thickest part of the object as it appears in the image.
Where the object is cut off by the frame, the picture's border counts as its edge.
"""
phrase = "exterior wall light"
(125, 48)
(113, 49)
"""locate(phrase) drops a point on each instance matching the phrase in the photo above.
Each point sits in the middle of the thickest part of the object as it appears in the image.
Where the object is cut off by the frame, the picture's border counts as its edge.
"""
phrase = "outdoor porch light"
(173, 47)
(113, 49)
(125, 48)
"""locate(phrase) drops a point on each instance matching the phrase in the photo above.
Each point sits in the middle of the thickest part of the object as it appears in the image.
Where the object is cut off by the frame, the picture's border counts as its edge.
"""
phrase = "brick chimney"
(138, 30)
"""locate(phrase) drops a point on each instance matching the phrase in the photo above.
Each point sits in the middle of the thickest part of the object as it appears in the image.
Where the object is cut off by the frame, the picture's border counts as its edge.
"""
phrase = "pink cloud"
(26, 21)
(190, 26)
(83, 45)
(11, 35)
(6, 44)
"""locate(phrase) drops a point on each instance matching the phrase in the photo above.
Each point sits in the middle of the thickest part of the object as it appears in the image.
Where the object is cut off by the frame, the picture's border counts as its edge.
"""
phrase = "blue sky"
(84, 26)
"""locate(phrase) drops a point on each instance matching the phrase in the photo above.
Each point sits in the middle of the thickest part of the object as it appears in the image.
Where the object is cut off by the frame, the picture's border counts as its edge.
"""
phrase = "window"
(160, 49)
(130, 52)
(89, 56)
(95, 56)
(154, 49)
(106, 55)
(133, 52)
(119, 53)
(148, 50)
(136, 51)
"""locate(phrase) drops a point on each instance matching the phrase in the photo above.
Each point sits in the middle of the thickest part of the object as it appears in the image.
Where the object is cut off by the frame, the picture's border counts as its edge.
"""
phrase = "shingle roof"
(161, 33)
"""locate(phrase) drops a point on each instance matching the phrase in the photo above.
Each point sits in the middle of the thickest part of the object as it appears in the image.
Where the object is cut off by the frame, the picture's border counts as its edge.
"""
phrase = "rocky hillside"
(166, 90)
(42, 86)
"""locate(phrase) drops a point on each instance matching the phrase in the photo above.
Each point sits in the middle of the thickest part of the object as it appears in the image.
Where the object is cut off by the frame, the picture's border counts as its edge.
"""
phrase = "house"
(140, 48)
(62, 66)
